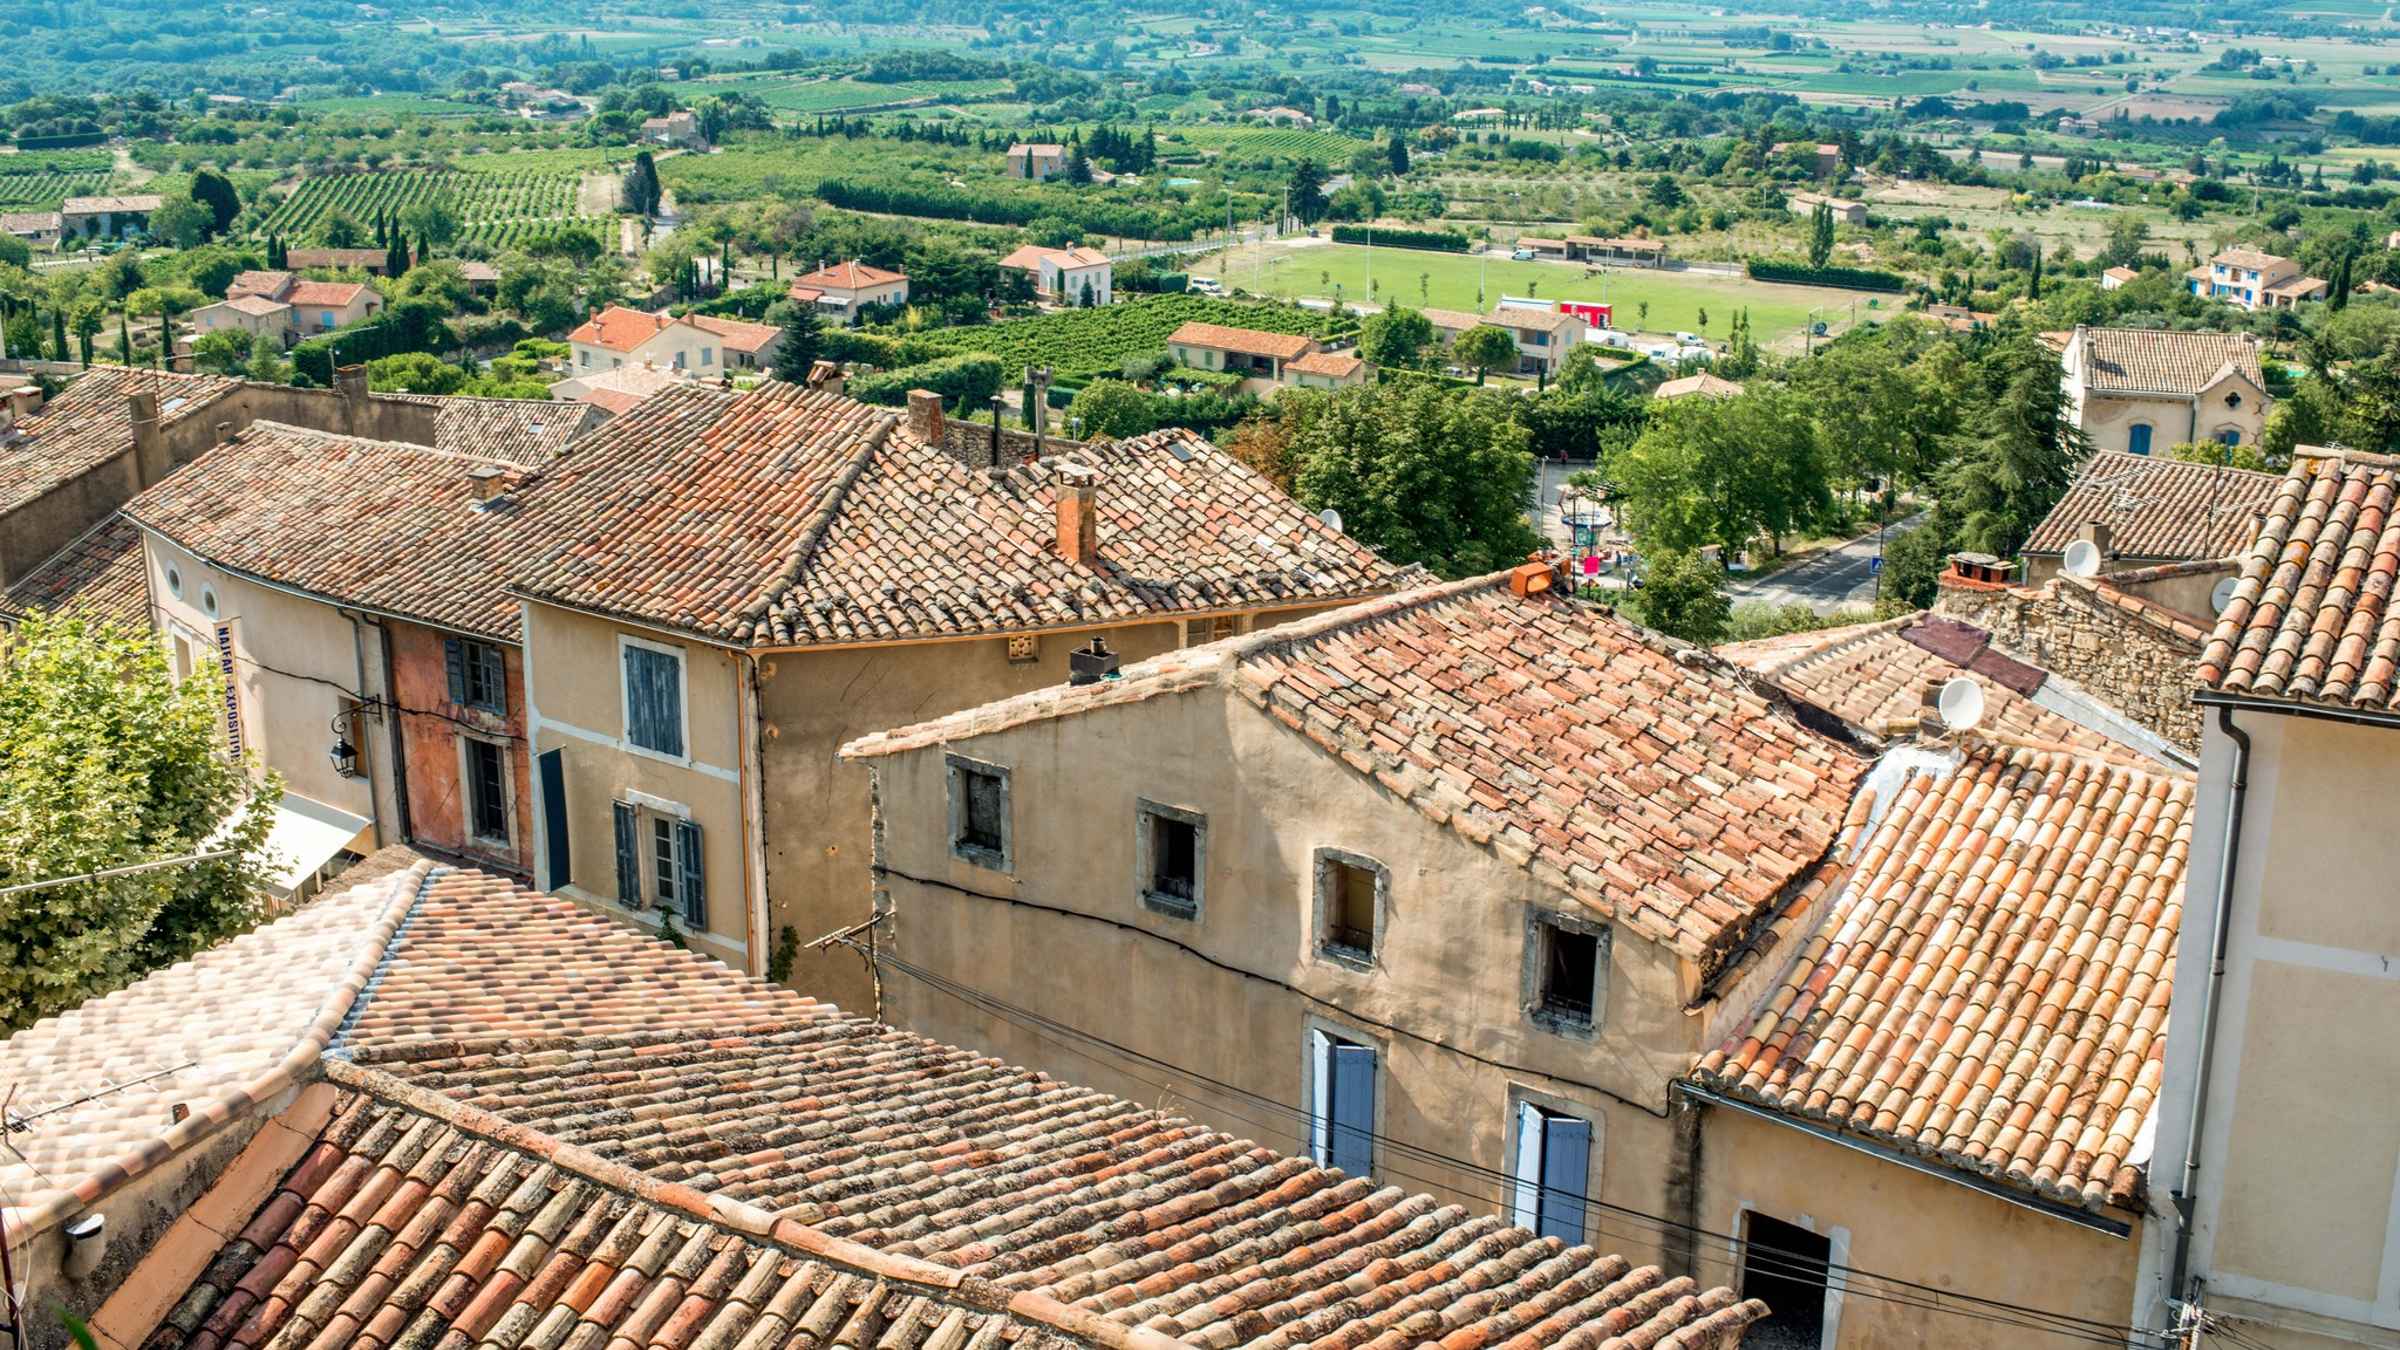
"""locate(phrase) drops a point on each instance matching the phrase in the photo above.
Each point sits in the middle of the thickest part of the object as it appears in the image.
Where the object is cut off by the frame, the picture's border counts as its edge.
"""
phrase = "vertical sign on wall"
(233, 702)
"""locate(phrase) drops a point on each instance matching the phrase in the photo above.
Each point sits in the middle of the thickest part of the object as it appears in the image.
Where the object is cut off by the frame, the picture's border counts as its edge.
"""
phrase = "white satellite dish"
(2083, 559)
(1960, 704)
(2222, 596)
(1332, 519)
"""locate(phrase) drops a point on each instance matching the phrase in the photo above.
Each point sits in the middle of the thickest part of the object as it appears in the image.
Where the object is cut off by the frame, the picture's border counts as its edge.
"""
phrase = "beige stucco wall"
(295, 659)
(2108, 419)
(1893, 1221)
(575, 697)
(688, 341)
(1443, 1001)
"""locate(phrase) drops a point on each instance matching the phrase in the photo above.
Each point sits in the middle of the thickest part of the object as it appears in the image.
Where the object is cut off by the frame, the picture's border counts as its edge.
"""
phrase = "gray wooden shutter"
(1353, 1135)
(495, 677)
(691, 875)
(454, 661)
(1566, 1164)
(629, 858)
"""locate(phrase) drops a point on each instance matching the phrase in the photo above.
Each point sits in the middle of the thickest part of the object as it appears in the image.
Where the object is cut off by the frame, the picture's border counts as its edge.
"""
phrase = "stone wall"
(2135, 655)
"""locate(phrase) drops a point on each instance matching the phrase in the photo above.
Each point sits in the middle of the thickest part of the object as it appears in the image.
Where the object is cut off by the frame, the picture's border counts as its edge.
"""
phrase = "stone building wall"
(2137, 655)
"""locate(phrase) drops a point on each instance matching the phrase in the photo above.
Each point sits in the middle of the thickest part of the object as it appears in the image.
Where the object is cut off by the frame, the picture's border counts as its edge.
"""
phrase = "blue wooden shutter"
(553, 787)
(629, 858)
(454, 661)
(1353, 1135)
(691, 872)
(1566, 1164)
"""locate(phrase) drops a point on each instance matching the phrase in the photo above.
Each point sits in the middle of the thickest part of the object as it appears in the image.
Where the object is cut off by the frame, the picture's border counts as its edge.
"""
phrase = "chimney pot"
(925, 416)
(490, 480)
(1092, 663)
(25, 400)
(1078, 520)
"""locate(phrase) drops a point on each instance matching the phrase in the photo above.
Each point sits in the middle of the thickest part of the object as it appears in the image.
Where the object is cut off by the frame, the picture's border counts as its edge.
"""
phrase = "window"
(2230, 436)
(1199, 631)
(653, 697)
(1351, 890)
(1566, 968)
(979, 829)
(174, 582)
(2137, 438)
(1174, 858)
(663, 850)
(1785, 1265)
(478, 674)
(584, 359)
(208, 601)
(708, 356)
(1553, 1172)
(679, 360)
(487, 790)
(1342, 1122)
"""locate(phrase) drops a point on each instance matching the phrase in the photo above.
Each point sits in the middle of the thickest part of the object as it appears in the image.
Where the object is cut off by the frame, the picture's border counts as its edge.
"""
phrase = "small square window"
(979, 824)
(1566, 972)
(1351, 889)
(1174, 858)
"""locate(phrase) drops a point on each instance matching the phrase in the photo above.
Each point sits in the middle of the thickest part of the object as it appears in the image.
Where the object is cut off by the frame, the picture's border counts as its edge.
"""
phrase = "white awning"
(305, 836)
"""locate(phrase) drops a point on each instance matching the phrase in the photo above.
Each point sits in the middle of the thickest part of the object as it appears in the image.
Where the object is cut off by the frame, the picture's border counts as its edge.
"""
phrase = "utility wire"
(1648, 1227)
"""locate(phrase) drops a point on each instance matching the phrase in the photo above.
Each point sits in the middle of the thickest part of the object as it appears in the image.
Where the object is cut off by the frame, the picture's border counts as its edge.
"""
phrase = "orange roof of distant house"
(269, 284)
(1333, 365)
(256, 305)
(848, 276)
(740, 335)
(334, 293)
(620, 329)
(1244, 341)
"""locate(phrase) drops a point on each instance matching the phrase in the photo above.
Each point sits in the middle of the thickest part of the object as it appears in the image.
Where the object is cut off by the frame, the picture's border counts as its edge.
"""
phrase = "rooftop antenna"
(2082, 559)
(1960, 703)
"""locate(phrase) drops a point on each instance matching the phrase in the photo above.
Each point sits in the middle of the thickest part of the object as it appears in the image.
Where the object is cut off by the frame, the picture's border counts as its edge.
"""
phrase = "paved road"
(1836, 577)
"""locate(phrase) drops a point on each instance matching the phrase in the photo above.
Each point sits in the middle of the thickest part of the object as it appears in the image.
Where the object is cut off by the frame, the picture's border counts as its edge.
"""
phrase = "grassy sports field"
(1449, 281)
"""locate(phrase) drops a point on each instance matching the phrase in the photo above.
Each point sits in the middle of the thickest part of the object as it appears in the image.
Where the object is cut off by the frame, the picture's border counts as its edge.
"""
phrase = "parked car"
(1522, 255)
(1688, 339)
(1204, 286)
(1610, 337)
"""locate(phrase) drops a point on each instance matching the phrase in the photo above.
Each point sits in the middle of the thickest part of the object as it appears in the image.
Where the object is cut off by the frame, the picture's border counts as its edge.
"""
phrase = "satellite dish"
(2222, 596)
(1960, 704)
(2083, 559)
(1332, 519)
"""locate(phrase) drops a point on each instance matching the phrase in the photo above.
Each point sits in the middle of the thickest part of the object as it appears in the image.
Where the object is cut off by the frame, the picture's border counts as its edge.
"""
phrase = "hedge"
(849, 344)
(1849, 278)
(410, 326)
(967, 381)
(1401, 375)
(1442, 241)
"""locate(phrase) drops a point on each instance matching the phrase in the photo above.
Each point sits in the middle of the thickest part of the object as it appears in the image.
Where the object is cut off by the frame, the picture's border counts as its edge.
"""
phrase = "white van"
(1688, 339)
(1205, 286)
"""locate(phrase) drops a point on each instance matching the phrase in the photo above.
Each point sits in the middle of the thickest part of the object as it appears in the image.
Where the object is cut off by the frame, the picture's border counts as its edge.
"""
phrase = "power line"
(1648, 1227)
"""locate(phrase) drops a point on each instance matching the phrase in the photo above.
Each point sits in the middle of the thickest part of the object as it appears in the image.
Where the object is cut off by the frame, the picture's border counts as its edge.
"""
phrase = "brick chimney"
(149, 443)
(490, 480)
(827, 375)
(925, 416)
(2100, 537)
(1078, 518)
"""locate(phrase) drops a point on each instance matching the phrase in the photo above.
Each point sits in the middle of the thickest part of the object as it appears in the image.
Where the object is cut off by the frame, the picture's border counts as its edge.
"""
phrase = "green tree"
(1396, 153)
(415, 373)
(267, 364)
(342, 230)
(1397, 337)
(1683, 595)
(1307, 185)
(1722, 471)
(106, 760)
(182, 222)
(432, 222)
(223, 352)
(642, 190)
(2128, 232)
(803, 342)
(2340, 299)
(1484, 349)
(1424, 473)
(1913, 560)
(214, 191)
(1110, 408)
(1663, 191)
(2016, 453)
(1820, 235)
(14, 252)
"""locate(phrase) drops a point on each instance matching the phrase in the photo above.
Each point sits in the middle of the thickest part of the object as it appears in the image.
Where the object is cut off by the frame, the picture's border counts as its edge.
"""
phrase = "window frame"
(1837, 1257)
(2142, 432)
(467, 793)
(474, 668)
(1322, 865)
(955, 769)
(1540, 922)
(683, 699)
(1525, 1195)
(1145, 814)
(1318, 1036)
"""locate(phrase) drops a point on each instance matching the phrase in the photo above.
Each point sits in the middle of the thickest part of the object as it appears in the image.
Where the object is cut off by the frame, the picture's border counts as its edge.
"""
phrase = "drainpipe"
(391, 702)
(2229, 856)
(358, 659)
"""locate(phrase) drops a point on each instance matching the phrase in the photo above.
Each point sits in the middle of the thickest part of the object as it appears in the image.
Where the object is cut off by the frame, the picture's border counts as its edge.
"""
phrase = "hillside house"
(619, 389)
(2116, 277)
(747, 346)
(374, 262)
(622, 336)
(2144, 390)
(1543, 336)
(841, 290)
(1702, 385)
(2255, 280)
(680, 129)
(1259, 357)
(1328, 370)
(1845, 211)
(287, 306)
(34, 227)
(106, 217)
(1064, 276)
(1035, 161)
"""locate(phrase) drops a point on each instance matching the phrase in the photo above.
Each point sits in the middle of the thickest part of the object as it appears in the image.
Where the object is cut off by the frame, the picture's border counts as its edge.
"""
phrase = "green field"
(495, 209)
(1449, 281)
(843, 95)
(1086, 342)
(44, 191)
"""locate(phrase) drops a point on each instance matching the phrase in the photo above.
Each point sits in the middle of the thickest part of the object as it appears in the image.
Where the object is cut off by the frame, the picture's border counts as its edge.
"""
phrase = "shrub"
(1849, 278)
(1441, 241)
(966, 381)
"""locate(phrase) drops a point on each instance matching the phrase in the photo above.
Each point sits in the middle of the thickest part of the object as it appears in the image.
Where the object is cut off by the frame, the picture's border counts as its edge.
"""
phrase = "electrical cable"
(377, 705)
(1918, 1296)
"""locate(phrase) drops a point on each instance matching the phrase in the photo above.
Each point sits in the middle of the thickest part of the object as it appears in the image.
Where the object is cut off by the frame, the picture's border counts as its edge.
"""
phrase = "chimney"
(224, 432)
(25, 400)
(351, 383)
(1091, 664)
(490, 480)
(925, 416)
(1078, 518)
(2101, 538)
(827, 375)
(1532, 578)
(149, 444)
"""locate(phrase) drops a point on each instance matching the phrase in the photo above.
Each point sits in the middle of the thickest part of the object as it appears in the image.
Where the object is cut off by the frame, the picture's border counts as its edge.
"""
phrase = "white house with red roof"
(843, 289)
(621, 336)
(1066, 275)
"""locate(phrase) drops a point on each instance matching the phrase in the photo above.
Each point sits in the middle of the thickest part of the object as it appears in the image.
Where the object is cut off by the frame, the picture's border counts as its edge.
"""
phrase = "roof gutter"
(2313, 711)
(2100, 1223)
(2229, 856)
(321, 598)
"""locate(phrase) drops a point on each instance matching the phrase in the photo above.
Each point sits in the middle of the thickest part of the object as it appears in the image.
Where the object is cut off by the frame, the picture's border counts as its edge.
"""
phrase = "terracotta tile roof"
(1875, 677)
(739, 336)
(1245, 341)
(335, 294)
(269, 284)
(620, 329)
(1458, 320)
(1657, 789)
(2140, 360)
(2250, 258)
(1714, 386)
(1621, 244)
(2156, 508)
(1549, 320)
(848, 276)
(2311, 618)
(2303, 287)
(258, 305)
(365, 259)
(619, 389)
(523, 431)
(382, 524)
(1990, 987)
(851, 1132)
(1337, 365)
(790, 516)
(414, 1227)
(220, 1033)
(100, 576)
(85, 206)
(29, 222)
(1026, 256)
(2121, 274)
(88, 424)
